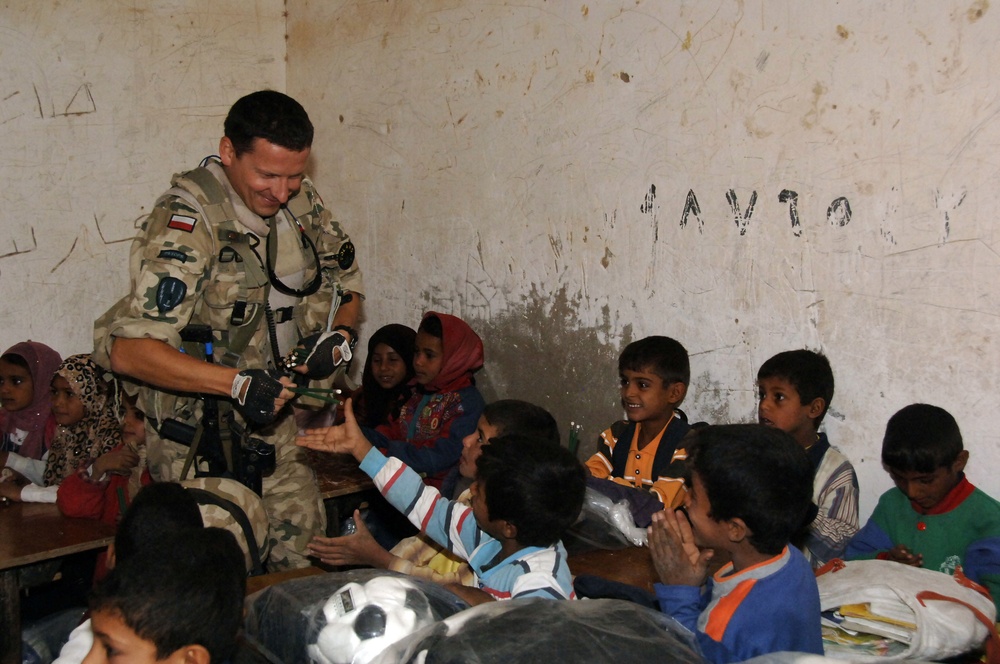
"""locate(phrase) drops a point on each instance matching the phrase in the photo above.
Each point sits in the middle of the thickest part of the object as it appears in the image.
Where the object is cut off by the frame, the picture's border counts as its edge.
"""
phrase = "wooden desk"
(632, 565)
(342, 485)
(338, 474)
(30, 533)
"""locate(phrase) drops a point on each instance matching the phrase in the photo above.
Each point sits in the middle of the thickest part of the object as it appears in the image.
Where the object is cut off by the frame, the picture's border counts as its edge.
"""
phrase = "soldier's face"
(266, 176)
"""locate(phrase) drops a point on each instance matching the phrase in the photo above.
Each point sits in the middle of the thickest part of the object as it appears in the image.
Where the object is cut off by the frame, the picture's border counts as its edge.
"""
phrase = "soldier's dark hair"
(807, 371)
(273, 116)
(537, 486)
(663, 356)
(189, 591)
(511, 416)
(921, 438)
(758, 474)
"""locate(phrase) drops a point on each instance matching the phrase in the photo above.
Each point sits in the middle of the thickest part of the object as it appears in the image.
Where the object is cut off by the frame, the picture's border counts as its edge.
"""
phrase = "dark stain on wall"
(535, 351)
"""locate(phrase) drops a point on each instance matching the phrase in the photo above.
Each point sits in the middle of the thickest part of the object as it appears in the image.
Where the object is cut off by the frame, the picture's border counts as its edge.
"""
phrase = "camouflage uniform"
(192, 263)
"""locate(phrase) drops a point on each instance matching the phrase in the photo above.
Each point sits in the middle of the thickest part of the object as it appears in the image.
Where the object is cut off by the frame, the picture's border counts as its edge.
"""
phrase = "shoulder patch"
(182, 222)
(169, 293)
(345, 257)
(173, 254)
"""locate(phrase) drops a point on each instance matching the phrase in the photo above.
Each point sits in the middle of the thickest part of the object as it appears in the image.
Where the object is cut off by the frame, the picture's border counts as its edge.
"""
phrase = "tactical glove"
(256, 402)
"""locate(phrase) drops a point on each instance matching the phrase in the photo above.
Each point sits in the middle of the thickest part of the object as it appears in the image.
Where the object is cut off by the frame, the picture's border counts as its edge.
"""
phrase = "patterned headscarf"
(42, 363)
(100, 429)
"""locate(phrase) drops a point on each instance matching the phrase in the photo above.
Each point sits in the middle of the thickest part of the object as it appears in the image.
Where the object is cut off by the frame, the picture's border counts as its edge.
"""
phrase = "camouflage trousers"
(291, 497)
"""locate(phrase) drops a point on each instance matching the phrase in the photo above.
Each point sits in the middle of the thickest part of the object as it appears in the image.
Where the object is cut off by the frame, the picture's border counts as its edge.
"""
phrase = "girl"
(26, 423)
(446, 405)
(385, 382)
(104, 488)
(87, 410)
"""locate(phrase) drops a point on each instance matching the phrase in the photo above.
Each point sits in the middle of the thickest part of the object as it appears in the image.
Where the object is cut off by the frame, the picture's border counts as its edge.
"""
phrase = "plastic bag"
(951, 616)
(539, 630)
(603, 524)
(285, 622)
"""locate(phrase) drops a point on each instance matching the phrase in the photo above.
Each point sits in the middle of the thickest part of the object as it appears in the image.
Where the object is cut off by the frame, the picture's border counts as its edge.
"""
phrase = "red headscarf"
(461, 354)
(42, 363)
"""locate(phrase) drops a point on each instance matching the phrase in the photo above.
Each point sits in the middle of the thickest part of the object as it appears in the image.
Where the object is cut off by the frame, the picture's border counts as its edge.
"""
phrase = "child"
(385, 381)
(160, 512)
(26, 421)
(103, 488)
(420, 555)
(427, 435)
(178, 602)
(526, 494)
(644, 451)
(795, 389)
(750, 491)
(935, 517)
(87, 410)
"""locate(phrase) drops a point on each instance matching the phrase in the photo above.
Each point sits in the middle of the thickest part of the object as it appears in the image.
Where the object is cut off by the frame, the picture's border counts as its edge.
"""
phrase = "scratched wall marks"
(99, 104)
(755, 185)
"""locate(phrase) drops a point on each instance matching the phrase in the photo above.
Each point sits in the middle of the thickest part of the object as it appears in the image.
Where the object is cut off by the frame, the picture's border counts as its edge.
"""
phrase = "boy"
(795, 389)
(179, 602)
(750, 491)
(644, 451)
(420, 555)
(525, 495)
(160, 511)
(935, 517)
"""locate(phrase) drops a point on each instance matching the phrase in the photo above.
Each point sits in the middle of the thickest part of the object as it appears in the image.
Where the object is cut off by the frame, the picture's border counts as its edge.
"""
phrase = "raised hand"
(346, 438)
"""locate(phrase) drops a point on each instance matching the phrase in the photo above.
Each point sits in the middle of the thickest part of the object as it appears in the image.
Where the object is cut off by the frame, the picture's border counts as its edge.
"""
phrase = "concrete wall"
(747, 177)
(100, 102)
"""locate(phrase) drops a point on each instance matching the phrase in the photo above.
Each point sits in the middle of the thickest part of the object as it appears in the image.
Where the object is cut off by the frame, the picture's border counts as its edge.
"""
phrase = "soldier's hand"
(323, 352)
(260, 394)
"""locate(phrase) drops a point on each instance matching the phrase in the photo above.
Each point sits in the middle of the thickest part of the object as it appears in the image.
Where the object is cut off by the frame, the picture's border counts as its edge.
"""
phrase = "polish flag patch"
(182, 223)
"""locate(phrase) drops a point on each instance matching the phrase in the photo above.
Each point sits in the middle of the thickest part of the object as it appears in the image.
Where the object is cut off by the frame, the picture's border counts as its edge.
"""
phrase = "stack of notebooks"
(876, 628)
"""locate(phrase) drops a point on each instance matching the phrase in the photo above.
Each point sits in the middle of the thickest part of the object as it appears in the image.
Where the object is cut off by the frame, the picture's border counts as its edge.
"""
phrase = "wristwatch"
(351, 331)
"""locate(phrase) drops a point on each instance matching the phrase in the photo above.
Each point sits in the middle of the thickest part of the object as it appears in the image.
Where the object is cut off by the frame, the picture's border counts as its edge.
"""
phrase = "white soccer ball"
(363, 619)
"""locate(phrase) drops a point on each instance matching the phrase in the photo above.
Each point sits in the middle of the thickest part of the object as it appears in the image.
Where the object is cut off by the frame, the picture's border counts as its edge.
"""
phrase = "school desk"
(32, 533)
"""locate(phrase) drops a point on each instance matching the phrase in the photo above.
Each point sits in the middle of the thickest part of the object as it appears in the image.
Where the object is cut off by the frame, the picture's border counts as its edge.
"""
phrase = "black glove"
(257, 401)
(318, 350)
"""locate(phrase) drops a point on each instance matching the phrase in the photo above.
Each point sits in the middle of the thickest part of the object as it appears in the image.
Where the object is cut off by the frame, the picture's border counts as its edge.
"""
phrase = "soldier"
(243, 245)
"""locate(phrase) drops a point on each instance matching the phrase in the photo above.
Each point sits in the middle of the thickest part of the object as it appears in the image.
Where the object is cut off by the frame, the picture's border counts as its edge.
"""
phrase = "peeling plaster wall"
(100, 102)
(746, 177)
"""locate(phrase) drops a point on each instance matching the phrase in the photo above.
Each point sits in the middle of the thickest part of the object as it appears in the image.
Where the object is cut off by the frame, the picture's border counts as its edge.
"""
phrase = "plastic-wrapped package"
(538, 630)
(342, 617)
(603, 524)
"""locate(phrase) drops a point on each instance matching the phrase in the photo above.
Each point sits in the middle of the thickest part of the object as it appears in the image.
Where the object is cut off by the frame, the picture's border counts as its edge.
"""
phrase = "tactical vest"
(200, 188)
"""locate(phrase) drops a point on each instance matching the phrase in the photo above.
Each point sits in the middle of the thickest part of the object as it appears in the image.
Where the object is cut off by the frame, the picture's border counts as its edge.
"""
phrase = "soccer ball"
(363, 619)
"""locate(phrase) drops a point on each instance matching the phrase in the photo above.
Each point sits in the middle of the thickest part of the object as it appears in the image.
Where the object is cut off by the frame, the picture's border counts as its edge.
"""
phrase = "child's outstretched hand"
(359, 548)
(901, 554)
(346, 438)
(676, 557)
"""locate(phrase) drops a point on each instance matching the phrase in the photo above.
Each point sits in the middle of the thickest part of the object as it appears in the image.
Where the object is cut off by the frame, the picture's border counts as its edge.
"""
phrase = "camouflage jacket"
(194, 262)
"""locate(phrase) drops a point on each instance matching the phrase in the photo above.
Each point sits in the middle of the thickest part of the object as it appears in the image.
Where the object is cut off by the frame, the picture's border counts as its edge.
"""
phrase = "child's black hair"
(432, 325)
(160, 510)
(512, 416)
(16, 360)
(187, 591)
(758, 474)
(537, 486)
(272, 116)
(807, 371)
(663, 356)
(921, 438)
